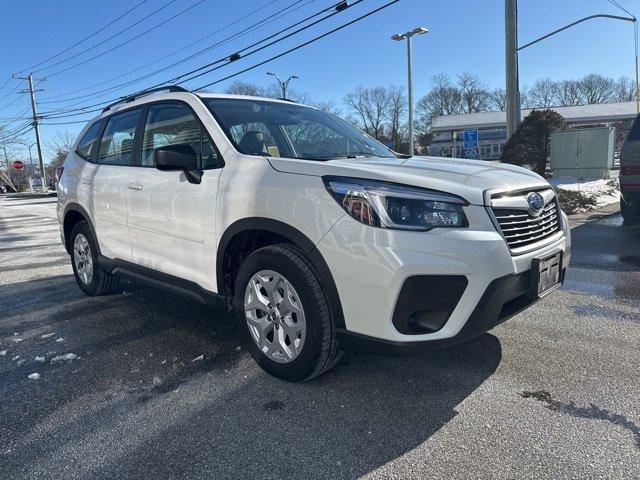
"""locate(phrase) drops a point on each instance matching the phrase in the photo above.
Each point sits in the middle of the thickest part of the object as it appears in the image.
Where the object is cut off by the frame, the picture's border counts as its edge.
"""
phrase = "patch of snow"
(67, 357)
(40, 359)
(3, 353)
(17, 357)
(197, 359)
(59, 340)
(34, 376)
(238, 348)
(48, 335)
(20, 362)
(18, 339)
(605, 192)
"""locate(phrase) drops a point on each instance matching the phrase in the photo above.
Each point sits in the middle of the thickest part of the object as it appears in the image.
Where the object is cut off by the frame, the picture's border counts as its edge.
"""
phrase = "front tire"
(90, 277)
(283, 314)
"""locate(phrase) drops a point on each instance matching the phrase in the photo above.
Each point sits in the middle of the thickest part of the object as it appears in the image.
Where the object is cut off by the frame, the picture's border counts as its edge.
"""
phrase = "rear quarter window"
(89, 140)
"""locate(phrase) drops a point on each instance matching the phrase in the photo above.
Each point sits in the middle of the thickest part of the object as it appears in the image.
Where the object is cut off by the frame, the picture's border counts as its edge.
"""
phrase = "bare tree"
(62, 140)
(543, 94)
(443, 99)
(398, 109)
(245, 88)
(498, 99)
(568, 93)
(475, 96)
(596, 88)
(371, 108)
(625, 90)
(328, 106)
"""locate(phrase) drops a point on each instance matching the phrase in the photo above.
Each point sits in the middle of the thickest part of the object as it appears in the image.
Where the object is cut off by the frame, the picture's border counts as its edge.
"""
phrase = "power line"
(127, 41)
(264, 61)
(9, 93)
(244, 31)
(226, 58)
(12, 101)
(5, 83)
(616, 4)
(84, 39)
(362, 17)
(16, 133)
(240, 53)
(120, 32)
(67, 123)
(155, 61)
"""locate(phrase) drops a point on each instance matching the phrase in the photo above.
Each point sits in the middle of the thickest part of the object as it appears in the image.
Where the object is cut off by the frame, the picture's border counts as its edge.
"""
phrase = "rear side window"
(89, 140)
(118, 140)
(175, 124)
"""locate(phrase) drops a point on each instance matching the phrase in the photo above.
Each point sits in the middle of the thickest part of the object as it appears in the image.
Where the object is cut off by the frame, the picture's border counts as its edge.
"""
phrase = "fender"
(296, 237)
(73, 206)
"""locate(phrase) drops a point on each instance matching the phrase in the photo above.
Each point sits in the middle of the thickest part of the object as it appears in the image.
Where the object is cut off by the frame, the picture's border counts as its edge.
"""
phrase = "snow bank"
(578, 197)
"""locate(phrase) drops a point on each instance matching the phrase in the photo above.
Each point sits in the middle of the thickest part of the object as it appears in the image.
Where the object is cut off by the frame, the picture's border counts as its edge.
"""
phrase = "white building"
(492, 130)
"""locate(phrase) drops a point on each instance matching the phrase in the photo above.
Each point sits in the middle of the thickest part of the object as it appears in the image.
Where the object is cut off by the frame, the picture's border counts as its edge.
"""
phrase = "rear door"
(115, 166)
(171, 221)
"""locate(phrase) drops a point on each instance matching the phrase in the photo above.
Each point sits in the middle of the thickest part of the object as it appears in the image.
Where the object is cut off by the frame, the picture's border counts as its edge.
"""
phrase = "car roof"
(143, 99)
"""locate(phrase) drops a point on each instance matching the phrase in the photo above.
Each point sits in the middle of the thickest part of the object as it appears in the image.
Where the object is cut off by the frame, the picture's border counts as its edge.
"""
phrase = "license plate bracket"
(546, 273)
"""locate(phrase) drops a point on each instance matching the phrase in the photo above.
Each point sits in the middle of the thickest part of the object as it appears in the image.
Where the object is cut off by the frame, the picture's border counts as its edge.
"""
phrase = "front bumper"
(370, 267)
(503, 298)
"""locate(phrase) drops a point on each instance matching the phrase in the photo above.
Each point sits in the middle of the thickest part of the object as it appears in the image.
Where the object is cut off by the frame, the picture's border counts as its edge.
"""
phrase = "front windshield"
(276, 129)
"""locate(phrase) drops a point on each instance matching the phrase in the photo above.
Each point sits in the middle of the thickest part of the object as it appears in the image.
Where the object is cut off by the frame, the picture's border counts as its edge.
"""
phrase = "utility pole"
(511, 66)
(36, 127)
(283, 85)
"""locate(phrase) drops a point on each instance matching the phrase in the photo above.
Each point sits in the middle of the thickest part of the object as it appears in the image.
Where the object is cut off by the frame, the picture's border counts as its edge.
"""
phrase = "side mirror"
(180, 157)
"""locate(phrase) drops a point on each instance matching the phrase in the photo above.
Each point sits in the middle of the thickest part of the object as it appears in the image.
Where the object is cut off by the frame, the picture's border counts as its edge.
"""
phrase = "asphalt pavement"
(142, 384)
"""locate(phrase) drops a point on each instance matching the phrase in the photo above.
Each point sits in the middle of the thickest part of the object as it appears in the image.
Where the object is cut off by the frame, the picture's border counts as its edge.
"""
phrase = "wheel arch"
(277, 230)
(74, 213)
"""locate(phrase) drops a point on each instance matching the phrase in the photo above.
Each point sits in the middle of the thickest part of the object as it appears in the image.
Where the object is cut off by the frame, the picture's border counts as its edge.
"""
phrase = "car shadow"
(145, 353)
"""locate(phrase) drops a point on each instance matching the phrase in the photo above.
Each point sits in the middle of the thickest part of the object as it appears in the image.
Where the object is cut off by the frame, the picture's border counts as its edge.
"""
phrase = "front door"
(171, 221)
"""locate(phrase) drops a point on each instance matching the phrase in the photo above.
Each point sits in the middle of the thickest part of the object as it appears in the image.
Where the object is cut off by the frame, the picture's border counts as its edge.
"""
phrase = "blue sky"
(464, 36)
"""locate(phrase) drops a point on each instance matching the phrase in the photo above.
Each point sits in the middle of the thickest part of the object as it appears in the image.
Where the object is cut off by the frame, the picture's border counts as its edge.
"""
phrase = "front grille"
(521, 229)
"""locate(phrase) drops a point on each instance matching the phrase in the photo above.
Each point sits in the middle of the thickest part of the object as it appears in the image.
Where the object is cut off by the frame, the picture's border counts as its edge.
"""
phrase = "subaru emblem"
(535, 201)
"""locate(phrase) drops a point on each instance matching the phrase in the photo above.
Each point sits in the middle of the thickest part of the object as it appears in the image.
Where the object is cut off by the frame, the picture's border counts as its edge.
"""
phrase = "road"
(552, 393)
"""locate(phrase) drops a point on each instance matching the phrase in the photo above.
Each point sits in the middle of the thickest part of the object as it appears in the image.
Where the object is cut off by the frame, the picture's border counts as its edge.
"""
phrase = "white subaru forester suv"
(317, 236)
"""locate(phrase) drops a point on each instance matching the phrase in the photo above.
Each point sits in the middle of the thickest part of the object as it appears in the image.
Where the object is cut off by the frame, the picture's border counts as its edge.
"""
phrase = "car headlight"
(388, 205)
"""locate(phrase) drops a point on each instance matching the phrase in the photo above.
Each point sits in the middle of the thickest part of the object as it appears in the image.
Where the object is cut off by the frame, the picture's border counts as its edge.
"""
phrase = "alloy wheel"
(275, 316)
(82, 258)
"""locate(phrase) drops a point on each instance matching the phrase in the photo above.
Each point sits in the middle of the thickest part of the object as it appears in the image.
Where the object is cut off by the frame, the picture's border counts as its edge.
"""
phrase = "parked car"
(630, 174)
(319, 238)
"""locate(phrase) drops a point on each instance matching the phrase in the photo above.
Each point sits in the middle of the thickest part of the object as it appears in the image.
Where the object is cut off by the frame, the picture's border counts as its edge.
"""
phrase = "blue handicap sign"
(470, 139)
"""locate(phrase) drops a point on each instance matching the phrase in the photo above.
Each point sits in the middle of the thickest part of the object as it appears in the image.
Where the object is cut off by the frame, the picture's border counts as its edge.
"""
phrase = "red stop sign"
(18, 165)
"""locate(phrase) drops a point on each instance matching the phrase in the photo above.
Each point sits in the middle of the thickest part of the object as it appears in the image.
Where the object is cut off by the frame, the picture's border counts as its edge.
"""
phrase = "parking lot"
(161, 387)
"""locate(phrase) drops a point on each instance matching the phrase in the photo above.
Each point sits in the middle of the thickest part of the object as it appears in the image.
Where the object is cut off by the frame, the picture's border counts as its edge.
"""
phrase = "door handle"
(86, 181)
(134, 186)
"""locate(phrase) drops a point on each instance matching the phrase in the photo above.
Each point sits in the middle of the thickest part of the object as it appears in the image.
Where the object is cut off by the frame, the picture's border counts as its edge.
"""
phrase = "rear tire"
(91, 278)
(272, 284)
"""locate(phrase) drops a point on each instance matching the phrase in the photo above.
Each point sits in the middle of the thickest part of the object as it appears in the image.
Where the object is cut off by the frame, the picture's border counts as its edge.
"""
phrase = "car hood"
(469, 179)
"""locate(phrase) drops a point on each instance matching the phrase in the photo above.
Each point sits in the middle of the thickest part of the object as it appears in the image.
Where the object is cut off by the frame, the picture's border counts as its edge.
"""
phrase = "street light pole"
(407, 36)
(283, 85)
(512, 50)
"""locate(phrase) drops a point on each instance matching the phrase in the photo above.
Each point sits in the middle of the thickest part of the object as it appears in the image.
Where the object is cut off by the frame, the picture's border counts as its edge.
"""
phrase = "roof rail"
(142, 93)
